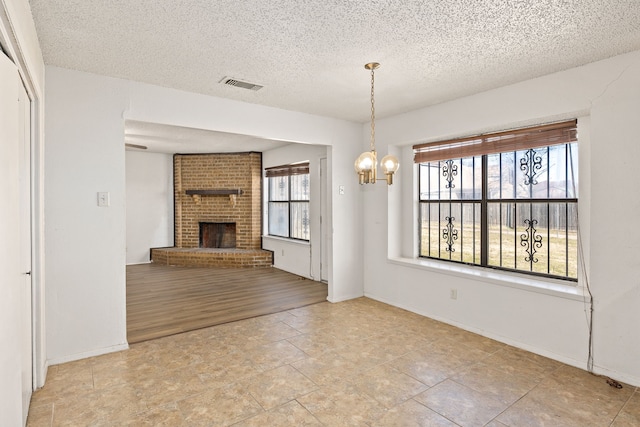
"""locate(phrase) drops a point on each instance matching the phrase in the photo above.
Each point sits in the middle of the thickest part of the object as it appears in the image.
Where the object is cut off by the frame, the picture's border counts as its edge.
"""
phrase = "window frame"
(288, 171)
(570, 202)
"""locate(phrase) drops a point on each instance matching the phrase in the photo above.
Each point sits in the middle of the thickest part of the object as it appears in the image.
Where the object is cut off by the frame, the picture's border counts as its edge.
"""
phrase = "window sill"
(546, 286)
(287, 240)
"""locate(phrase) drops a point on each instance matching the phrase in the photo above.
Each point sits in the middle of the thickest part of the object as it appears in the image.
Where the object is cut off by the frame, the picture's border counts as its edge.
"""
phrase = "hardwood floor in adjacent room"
(164, 300)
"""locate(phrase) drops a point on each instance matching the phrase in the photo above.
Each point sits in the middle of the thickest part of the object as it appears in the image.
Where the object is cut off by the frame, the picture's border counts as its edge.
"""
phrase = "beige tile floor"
(355, 363)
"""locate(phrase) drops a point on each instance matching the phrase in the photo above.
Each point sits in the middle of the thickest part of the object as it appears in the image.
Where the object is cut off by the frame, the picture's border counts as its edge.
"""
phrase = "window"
(507, 200)
(288, 209)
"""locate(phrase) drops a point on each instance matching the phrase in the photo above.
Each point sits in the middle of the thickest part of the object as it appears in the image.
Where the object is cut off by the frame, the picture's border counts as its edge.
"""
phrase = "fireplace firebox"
(217, 234)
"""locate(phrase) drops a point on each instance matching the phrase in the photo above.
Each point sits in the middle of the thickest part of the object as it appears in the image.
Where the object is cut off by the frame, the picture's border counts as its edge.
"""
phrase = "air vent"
(239, 83)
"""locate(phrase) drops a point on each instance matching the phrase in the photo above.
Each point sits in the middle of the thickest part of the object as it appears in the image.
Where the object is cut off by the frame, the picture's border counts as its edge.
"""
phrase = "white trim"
(552, 287)
(484, 333)
(86, 354)
(628, 379)
(345, 298)
(288, 240)
(580, 364)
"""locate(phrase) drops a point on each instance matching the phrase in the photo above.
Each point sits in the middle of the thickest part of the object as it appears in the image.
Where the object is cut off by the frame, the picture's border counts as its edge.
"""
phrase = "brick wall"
(214, 172)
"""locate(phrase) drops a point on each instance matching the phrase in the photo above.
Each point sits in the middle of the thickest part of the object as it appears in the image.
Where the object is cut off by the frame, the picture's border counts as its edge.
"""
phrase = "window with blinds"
(504, 200)
(288, 201)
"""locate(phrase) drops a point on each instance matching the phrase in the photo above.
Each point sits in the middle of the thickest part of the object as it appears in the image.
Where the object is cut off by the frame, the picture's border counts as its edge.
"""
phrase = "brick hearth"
(208, 257)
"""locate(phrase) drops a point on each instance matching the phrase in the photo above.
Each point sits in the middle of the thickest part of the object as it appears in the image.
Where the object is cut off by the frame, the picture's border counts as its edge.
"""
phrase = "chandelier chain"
(373, 115)
(366, 165)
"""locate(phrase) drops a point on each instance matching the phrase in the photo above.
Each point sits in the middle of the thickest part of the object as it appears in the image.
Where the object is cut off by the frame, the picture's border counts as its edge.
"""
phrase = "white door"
(24, 168)
(324, 240)
(16, 365)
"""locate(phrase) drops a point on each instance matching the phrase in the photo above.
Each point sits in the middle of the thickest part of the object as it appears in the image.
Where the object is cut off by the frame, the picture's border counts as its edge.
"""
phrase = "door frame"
(26, 246)
(16, 43)
(324, 232)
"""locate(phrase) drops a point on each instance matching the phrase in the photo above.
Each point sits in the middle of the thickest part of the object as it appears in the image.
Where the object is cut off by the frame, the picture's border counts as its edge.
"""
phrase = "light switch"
(103, 199)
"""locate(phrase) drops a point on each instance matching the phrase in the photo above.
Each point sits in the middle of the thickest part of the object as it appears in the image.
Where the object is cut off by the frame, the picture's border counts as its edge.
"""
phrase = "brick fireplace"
(218, 195)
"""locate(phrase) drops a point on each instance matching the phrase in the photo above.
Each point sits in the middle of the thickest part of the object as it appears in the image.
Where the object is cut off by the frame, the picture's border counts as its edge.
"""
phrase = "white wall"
(85, 243)
(85, 154)
(605, 97)
(297, 257)
(149, 203)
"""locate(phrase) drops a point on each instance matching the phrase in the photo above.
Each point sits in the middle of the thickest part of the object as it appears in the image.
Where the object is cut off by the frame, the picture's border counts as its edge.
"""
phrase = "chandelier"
(366, 164)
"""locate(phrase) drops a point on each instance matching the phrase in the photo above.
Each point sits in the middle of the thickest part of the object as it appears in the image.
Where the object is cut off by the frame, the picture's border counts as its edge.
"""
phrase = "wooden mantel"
(232, 193)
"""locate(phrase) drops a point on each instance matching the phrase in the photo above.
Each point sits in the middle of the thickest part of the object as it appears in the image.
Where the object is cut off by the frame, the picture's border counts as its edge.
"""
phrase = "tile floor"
(355, 363)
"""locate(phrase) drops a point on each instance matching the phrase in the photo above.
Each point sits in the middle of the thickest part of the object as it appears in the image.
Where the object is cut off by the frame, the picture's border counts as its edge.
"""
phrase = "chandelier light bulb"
(389, 164)
(365, 162)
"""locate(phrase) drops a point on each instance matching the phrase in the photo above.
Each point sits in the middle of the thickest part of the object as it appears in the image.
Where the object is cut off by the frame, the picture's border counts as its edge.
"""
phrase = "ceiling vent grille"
(239, 83)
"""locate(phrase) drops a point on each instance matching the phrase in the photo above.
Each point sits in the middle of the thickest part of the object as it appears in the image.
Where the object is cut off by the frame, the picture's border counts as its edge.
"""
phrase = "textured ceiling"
(309, 54)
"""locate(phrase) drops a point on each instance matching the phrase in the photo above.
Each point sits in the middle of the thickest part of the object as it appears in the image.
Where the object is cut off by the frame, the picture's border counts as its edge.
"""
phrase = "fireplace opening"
(217, 234)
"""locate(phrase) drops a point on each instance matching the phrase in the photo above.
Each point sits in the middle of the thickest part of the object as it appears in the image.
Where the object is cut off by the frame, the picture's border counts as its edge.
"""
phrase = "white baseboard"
(580, 364)
(86, 354)
(345, 298)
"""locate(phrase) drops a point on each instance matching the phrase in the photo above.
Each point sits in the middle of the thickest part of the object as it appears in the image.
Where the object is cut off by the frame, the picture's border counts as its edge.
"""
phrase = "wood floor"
(164, 300)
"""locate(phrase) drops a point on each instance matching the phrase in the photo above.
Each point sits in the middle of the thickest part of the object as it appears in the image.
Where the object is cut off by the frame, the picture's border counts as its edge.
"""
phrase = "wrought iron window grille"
(449, 234)
(531, 240)
(477, 223)
(530, 164)
(449, 171)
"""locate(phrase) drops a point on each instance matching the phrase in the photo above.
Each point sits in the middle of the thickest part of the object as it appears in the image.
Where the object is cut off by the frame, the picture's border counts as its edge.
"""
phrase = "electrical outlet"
(341, 190)
(454, 294)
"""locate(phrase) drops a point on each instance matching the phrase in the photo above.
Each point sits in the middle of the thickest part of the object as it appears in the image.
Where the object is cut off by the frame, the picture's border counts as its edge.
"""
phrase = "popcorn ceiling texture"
(309, 54)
